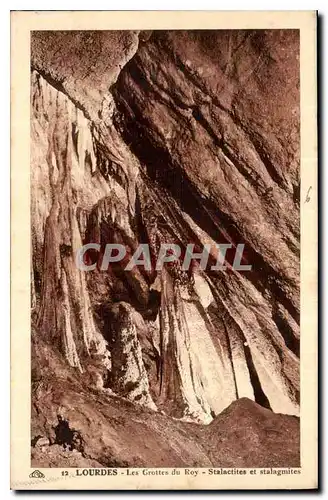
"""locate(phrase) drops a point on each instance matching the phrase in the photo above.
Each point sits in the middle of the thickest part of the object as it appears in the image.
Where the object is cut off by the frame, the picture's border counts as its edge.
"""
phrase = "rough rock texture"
(115, 434)
(167, 137)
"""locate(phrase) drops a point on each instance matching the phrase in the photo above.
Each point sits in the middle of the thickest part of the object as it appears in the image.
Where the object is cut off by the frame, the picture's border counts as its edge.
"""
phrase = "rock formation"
(169, 137)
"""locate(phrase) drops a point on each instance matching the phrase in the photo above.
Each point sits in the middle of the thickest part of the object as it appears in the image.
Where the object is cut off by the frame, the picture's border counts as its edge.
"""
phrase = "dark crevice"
(271, 169)
(292, 342)
(75, 137)
(107, 167)
(229, 323)
(67, 436)
(297, 193)
(259, 394)
(58, 85)
(226, 150)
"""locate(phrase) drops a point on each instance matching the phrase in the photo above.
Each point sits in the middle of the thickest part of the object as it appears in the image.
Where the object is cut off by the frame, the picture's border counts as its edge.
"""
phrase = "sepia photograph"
(188, 139)
(164, 191)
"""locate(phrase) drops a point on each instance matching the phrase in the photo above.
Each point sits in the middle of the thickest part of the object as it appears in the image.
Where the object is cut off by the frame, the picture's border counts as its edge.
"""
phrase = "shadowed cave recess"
(165, 137)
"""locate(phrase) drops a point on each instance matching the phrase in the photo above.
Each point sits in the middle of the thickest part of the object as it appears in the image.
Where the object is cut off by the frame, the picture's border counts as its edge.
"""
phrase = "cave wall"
(169, 137)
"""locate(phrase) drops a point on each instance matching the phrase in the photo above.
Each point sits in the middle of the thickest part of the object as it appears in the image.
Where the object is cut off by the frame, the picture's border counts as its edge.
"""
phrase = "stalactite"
(155, 163)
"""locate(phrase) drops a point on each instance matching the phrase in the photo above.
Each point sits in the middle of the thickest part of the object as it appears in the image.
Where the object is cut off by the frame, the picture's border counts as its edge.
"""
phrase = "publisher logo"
(37, 475)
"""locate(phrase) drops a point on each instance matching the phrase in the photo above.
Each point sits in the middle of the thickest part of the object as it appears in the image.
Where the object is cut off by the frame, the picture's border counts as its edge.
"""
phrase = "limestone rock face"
(168, 137)
(117, 433)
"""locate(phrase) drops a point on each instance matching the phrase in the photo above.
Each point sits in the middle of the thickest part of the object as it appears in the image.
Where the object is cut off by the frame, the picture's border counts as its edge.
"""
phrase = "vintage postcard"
(164, 250)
